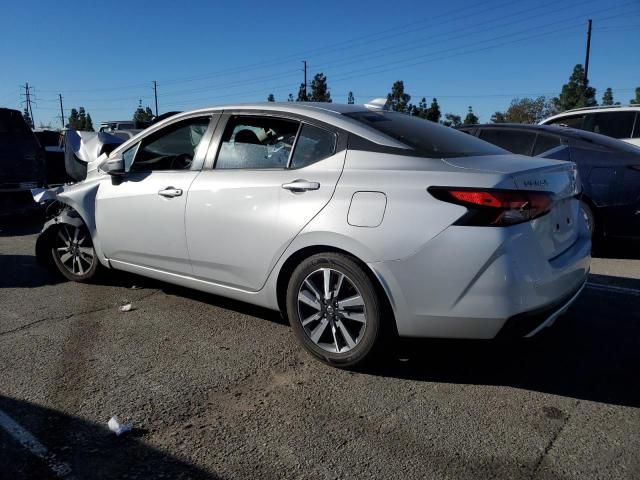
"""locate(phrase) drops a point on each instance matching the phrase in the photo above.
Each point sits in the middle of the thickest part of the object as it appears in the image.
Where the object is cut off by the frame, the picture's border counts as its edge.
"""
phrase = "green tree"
(82, 119)
(528, 110)
(471, 118)
(607, 98)
(142, 116)
(576, 93)
(302, 94)
(271, 98)
(351, 99)
(73, 119)
(88, 126)
(498, 117)
(290, 98)
(452, 120)
(433, 113)
(320, 89)
(636, 101)
(27, 117)
(398, 99)
(419, 110)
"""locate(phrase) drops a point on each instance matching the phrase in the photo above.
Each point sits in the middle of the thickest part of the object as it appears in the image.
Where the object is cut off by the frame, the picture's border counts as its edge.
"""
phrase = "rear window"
(11, 121)
(611, 124)
(426, 137)
(516, 141)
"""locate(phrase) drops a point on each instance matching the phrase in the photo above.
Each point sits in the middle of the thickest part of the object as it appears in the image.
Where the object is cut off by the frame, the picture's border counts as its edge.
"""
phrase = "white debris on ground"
(125, 308)
(116, 427)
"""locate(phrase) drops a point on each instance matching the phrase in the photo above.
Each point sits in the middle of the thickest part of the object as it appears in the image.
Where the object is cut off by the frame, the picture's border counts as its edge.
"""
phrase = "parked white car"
(616, 121)
(355, 222)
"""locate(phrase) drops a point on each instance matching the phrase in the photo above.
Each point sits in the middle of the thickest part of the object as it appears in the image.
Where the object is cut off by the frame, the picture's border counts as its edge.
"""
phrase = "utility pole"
(27, 94)
(61, 110)
(155, 94)
(586, 62)
(305, 79)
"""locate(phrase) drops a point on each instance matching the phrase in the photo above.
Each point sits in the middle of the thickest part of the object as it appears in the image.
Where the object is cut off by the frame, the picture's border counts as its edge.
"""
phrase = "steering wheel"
(181, 162)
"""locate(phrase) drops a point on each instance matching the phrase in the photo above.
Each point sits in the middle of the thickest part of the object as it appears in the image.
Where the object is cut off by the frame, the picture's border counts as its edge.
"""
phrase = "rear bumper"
(470, 282)
(528, 324)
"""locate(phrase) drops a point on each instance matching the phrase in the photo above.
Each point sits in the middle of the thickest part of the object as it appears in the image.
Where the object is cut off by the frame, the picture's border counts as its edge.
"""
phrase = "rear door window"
(256, 142)
(515, 141)
(544, 143)
(611, 124)
(313, 144)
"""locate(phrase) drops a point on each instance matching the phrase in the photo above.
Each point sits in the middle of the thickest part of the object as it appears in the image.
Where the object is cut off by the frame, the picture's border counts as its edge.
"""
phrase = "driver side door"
(140, 220)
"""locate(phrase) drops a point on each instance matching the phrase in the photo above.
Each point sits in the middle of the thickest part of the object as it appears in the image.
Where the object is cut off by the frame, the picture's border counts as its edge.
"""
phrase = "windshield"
(428, 138)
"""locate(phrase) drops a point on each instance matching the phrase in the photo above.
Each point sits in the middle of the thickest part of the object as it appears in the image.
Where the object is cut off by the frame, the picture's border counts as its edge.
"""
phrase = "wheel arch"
(65, 215)
(599, 223)
(295, 258)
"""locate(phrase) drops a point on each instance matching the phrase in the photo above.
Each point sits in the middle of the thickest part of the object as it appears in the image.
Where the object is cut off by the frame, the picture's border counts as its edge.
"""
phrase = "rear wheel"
(334, 309)
(73, 253)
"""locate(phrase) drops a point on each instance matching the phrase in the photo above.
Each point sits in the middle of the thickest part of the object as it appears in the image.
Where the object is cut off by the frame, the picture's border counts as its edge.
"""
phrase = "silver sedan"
(355, 222)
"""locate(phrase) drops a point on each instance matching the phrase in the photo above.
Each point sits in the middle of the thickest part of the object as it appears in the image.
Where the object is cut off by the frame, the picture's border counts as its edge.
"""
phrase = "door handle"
(301, 186)
(170, 192)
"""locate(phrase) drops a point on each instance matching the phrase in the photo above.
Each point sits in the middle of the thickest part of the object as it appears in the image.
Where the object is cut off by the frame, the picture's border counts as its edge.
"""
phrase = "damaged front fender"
(72, 205)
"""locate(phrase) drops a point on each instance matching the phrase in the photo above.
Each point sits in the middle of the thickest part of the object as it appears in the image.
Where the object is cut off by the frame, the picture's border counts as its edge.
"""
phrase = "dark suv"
(22, 165)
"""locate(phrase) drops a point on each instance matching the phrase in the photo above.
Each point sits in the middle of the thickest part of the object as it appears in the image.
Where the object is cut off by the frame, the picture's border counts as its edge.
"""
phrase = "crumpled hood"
(83, 148)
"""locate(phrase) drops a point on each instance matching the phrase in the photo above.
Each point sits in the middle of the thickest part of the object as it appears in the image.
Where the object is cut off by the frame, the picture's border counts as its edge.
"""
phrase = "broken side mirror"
(114, 166)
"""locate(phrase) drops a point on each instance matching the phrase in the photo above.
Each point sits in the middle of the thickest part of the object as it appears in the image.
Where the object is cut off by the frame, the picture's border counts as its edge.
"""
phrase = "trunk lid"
(557, 230)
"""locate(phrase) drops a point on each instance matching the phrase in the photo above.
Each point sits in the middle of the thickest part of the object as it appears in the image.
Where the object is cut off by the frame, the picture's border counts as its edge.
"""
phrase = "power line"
(358, 58)
(338, 46)
(376, 54)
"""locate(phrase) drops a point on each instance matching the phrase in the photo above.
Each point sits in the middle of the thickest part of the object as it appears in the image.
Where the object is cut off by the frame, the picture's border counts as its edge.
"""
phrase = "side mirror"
(114, 166)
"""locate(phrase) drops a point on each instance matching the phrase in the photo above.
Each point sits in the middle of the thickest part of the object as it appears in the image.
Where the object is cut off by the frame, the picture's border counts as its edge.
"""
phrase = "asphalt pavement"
(219, 389)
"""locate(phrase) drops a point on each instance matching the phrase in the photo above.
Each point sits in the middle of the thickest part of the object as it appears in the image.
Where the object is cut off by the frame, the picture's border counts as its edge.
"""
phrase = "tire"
(343, 328)
(587, 213)
(73, 253)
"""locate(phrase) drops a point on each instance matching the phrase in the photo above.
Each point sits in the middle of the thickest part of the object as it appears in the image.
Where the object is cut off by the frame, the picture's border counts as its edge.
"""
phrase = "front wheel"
(73, 253)
(334, 309)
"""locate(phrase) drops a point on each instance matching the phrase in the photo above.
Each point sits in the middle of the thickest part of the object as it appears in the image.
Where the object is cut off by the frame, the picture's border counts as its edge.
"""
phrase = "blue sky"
(103, 56)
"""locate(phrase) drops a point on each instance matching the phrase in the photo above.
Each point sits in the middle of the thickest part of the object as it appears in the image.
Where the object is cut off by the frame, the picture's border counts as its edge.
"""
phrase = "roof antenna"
(378, 104)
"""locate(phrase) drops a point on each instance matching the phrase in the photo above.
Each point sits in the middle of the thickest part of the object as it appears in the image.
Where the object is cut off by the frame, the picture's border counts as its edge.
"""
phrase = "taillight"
(489, 207)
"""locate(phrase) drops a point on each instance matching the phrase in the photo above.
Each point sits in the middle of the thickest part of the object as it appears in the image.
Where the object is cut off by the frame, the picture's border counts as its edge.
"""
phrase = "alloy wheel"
(74, 250)
(331, 310)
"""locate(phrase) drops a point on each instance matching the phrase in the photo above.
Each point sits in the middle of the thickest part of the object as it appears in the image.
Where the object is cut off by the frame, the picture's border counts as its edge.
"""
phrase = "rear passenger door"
(267, 177)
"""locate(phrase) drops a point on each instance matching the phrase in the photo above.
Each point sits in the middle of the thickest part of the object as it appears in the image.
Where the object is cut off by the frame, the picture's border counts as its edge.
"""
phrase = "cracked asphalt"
(219, 389)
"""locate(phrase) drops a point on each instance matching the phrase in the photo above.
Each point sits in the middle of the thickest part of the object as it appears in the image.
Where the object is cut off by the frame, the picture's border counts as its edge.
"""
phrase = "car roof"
(560, 131)
(599, 108)
(330, 113)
